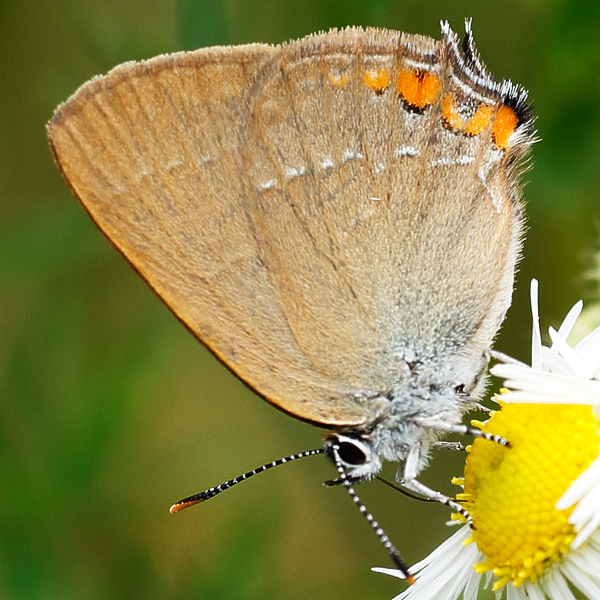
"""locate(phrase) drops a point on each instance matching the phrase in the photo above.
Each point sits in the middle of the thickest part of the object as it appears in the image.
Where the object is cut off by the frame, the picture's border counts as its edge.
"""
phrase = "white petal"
(555, 585)
(579, 578)
(446, 572)
(589, 349)
(567, 353)
(472, 588)
(581, 486)
(392, 572)
(513, 593)
(586, 531)
(548, 388)
(536, 338)
(554, 362)
(569, 321)
(587, 561)
(586, 509)
(533, 591)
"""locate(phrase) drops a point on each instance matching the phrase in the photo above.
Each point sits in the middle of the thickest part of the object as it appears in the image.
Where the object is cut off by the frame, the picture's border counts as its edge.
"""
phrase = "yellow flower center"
(511, 493)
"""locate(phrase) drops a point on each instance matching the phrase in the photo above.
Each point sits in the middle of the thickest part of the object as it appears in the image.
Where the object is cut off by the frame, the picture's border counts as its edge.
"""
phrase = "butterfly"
(337, 219)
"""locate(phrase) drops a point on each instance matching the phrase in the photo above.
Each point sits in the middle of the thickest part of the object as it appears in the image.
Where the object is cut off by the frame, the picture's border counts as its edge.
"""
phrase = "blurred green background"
(110, 410)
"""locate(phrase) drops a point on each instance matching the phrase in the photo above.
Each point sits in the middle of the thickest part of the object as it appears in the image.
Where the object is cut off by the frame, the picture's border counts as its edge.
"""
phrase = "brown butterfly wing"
(261, 193)
(152, 151)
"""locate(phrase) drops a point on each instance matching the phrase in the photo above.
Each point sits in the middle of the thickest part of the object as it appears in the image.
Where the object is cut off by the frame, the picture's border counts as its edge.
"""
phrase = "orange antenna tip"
(179, 506)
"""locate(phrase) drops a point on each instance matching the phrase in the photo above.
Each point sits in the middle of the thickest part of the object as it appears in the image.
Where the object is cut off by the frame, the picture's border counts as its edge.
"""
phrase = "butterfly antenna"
(383, 538)
(213, 491)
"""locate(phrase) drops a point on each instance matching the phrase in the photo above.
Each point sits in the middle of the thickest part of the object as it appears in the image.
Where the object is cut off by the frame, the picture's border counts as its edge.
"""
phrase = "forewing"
(152, 151)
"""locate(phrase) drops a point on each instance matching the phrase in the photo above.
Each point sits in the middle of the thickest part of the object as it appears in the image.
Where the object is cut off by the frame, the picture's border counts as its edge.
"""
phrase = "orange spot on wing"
(338, 80)
(479, 121)
(504, 125)
(419, 88)
(450, 113)
(377, 80)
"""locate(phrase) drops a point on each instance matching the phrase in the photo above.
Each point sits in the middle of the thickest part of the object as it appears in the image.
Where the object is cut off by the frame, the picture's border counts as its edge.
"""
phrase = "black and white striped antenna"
(347, 482)
(379, 532)
(214, 491)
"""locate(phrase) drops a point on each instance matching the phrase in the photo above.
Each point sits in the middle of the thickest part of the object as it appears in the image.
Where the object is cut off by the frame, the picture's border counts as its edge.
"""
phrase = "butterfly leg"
(463, 430)
(451, 446)
(407, 477)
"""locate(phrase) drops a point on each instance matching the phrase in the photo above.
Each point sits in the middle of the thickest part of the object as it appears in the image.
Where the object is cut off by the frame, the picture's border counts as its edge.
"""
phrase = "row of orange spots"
(421, 88)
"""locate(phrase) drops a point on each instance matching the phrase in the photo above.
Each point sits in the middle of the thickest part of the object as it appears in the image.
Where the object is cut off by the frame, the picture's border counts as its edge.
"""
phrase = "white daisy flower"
(563, 375)
(536, 505)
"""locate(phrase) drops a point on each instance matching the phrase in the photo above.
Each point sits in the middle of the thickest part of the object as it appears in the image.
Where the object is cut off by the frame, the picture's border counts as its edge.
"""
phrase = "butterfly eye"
(351, 454)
